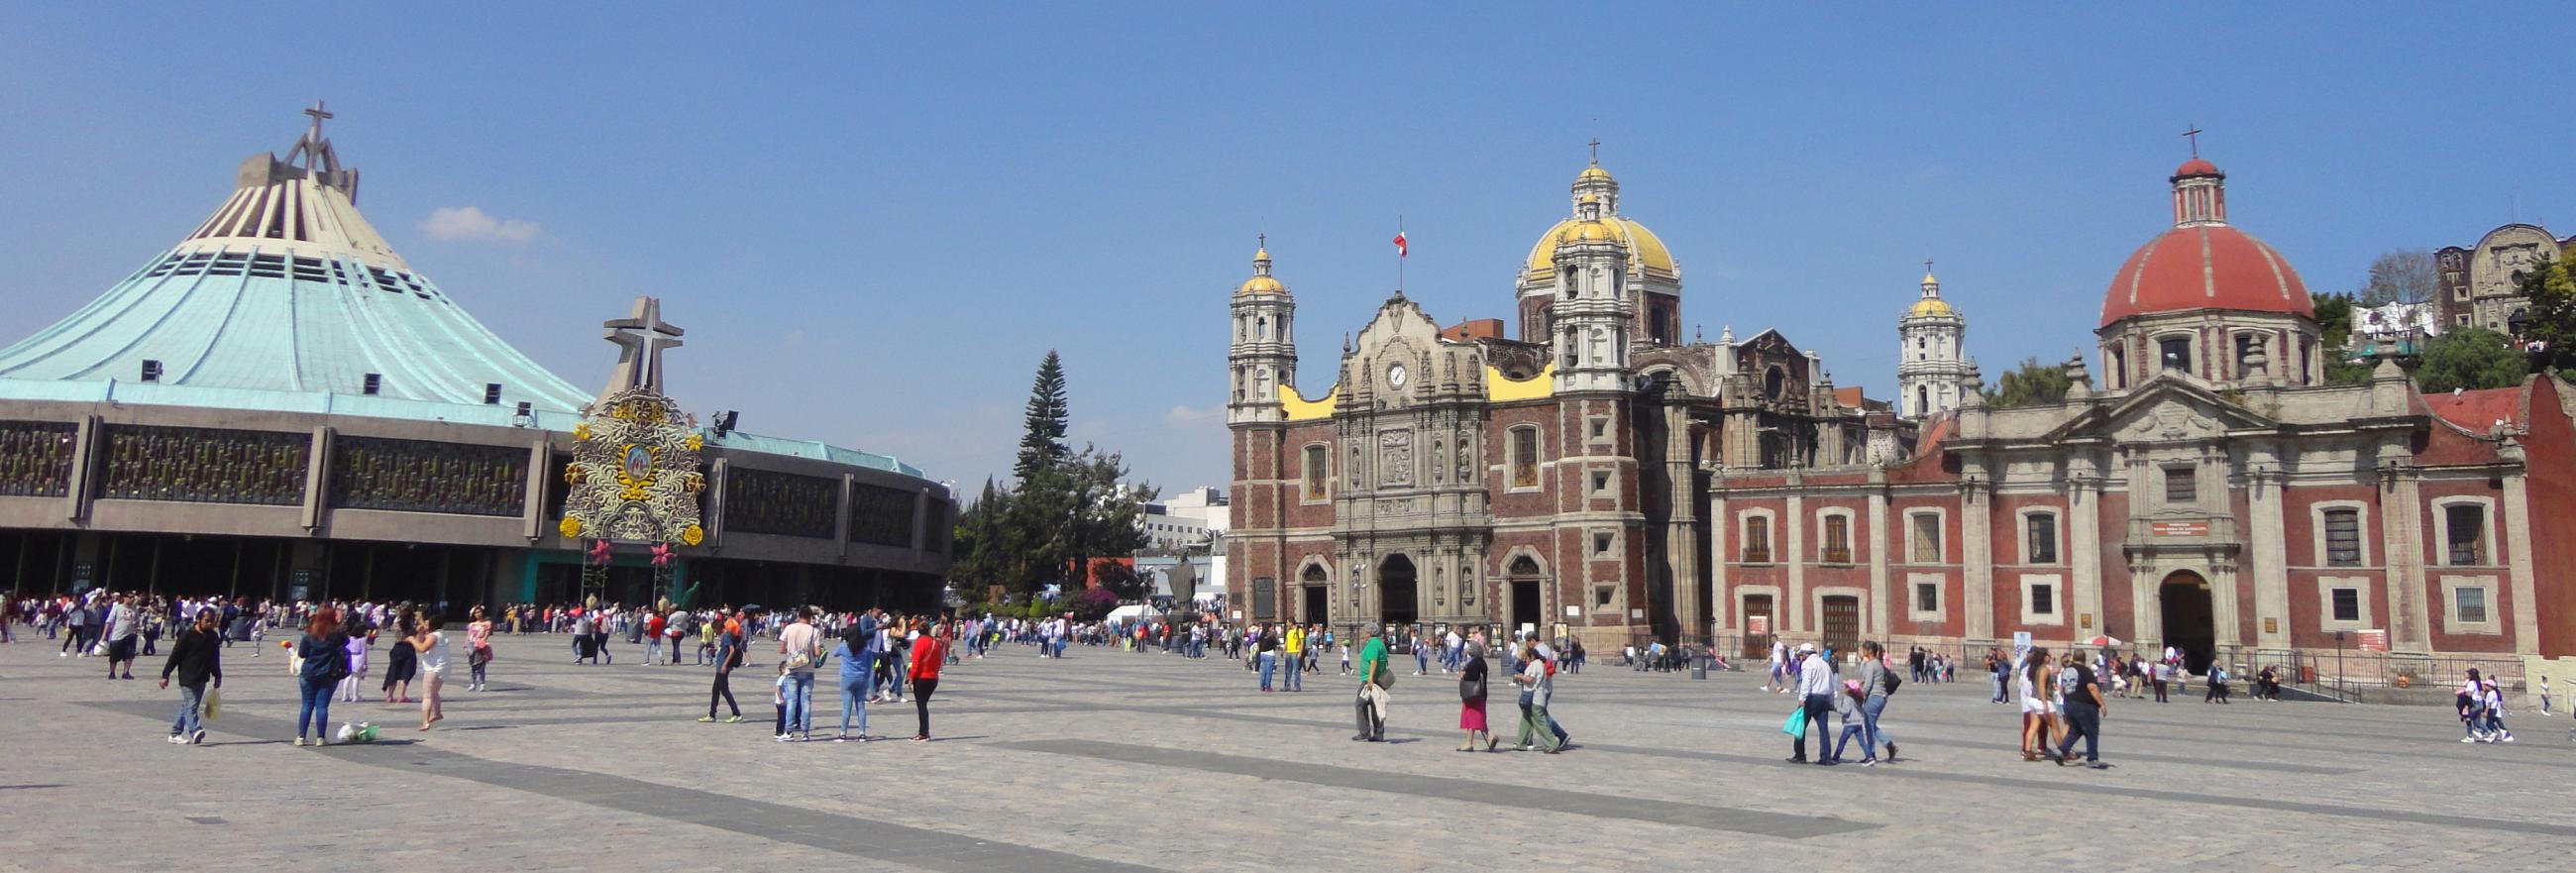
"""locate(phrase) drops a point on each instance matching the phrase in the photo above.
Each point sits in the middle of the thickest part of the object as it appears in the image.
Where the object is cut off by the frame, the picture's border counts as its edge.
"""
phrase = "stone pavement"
(1118, 761)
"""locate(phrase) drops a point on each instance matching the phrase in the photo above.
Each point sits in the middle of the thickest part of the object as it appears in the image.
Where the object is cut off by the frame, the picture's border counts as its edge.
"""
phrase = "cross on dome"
(2192, 132)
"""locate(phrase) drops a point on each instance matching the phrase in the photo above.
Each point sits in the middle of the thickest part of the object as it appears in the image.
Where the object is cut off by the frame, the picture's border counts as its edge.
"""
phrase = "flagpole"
(1399, 253)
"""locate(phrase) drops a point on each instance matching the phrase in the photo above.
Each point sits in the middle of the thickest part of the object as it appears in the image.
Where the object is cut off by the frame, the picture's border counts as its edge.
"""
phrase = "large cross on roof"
(641, 339)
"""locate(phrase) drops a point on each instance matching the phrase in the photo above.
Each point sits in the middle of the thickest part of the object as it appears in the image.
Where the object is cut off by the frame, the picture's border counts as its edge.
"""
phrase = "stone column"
(2267, 552)
(1721, 526)
(2515, 519)
(2402, 531)
(2084, 548)
(1681, 525)
(1873, 534)
(1793, 522)
(1976, 555)
(2224, 620)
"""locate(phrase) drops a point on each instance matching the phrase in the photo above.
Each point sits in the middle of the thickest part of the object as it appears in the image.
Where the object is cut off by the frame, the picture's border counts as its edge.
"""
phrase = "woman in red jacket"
(928, 652)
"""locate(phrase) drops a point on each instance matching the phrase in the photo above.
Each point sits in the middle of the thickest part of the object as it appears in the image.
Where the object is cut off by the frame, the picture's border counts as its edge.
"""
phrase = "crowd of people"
(335, 648)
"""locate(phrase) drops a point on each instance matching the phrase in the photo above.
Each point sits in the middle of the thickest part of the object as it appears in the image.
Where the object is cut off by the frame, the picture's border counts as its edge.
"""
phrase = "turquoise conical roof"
(285, 298)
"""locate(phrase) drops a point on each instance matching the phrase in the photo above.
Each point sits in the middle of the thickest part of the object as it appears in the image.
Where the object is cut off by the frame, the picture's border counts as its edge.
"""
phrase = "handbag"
(214, 704)
(1796, 726)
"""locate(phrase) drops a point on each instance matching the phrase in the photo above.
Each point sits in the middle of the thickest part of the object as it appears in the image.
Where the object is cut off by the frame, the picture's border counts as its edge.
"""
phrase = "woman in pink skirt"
(1471, 695)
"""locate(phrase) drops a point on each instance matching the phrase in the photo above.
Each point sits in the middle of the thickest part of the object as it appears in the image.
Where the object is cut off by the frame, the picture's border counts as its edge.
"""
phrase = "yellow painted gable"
(1298, 408)
(1499, 387)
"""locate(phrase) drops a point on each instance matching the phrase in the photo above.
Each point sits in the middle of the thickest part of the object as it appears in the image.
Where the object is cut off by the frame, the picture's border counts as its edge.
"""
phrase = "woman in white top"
(2029, 682)
(432, 648)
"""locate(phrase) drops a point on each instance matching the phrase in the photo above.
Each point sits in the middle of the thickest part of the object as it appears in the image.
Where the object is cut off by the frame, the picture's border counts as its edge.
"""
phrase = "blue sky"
(874, 219)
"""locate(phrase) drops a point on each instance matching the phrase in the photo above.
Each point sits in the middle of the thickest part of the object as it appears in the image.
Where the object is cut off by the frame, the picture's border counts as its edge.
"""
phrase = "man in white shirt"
(1816, 689)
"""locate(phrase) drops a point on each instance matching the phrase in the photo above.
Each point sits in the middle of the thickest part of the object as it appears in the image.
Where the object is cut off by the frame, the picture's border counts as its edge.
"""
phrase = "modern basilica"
(2208, 490)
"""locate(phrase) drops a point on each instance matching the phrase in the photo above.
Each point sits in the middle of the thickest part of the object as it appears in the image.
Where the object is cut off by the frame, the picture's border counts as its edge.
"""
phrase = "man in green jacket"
(1374, 680)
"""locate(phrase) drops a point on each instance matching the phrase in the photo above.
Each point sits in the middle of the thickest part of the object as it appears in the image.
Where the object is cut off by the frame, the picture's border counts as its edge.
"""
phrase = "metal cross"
(1596, 151)
(2192, 133)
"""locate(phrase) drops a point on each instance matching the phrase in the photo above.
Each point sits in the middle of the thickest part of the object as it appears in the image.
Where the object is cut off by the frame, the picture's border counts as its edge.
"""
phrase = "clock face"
(1395, 376)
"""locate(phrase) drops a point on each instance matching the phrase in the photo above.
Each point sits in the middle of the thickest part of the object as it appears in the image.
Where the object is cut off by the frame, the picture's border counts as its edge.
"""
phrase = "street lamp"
(2338, 665)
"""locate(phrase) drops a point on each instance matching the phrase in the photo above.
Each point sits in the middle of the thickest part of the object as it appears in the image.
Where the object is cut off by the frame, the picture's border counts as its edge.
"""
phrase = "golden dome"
(1931, 306)
(1643, 245)
(1260, 285)
(1593, 172)
(1589, 231)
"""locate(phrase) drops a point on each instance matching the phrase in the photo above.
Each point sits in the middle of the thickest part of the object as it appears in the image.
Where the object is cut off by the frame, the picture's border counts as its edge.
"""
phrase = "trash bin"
(2307, 674)
(1699, 667)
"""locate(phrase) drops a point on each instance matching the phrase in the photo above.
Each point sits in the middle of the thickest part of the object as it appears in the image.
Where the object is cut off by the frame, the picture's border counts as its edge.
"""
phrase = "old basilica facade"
(1594, 471)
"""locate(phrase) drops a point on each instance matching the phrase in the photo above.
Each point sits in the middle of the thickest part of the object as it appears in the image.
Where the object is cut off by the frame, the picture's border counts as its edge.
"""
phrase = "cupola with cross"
(1646, 268)
(1931, 356)
(1262, 359)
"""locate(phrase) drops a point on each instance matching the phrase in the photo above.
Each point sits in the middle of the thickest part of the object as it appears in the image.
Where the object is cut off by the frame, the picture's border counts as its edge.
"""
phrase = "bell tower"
(1595, 307)
(1262, 360)
(1931, 355)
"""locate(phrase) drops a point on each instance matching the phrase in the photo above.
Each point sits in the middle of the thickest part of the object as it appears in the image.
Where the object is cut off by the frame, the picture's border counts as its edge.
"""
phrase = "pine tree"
(1042, 443)
(2551, 320)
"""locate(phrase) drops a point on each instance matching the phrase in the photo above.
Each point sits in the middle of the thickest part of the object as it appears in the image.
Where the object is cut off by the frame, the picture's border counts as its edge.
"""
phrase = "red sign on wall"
(2179, 528)
(1757, 625)
(2374, 640)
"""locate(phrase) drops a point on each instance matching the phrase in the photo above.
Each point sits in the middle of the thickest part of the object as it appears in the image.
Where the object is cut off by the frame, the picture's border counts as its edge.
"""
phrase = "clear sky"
(874, 219)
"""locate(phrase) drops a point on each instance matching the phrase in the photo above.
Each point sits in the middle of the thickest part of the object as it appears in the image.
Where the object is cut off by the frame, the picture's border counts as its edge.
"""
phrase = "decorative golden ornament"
(570, 528)
(693, 535)
(695, 442)
(581, 431)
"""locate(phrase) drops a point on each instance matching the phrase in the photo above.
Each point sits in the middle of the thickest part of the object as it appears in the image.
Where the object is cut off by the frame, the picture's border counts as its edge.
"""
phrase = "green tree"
(2334, 323)
(2551, 318)
(2031, 384)
(984, 548)
(2471, 358)
(1042, 442)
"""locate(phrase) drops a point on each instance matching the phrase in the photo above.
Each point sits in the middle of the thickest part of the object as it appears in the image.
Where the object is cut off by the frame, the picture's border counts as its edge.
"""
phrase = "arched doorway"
(1525, 587)
(1315, 594)
(2189, 625)
(1396, 600)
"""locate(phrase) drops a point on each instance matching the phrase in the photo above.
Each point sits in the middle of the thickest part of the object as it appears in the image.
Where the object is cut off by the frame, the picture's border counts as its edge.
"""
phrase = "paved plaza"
(1118, 761)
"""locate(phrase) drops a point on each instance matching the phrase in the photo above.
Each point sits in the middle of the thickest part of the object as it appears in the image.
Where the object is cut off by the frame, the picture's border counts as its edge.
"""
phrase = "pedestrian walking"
(1266, 655)
(1472, 690)
(729, 655)
(1847, 710)
(123, 628)
(928, 653)
(1816, 685)
(197, 656)
(353, 648)
(1375, 679)
(1536, 687)
(324, 655)
(1876, 682)
(2083, 715)
(2030, 683)
(403, 661)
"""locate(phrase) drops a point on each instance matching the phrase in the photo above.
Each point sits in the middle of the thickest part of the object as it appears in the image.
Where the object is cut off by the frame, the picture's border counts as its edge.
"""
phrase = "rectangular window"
(1757, 540)
(1601, 596)
(2469, 605)
(1600, 428)
(1600, 481)
(1927, 538)
(2043, 539)
(2043, 600)
(2467, 522)
(1318, 478)
(1601, 541)
(1927, 597)
(1525, 457)
(1838, 539)
(2180, 486)
(2347, 604)
(2343, 538)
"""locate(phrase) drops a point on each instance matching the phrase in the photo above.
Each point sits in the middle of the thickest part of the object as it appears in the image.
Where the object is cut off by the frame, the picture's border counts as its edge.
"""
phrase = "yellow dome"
(1931, 306)
(1593, 172)
(1261, 285)
(1589, 231)
(1643, 245)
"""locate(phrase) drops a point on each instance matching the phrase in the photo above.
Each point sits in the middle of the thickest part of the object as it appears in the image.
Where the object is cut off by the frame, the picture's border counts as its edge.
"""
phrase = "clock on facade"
(1395, 376)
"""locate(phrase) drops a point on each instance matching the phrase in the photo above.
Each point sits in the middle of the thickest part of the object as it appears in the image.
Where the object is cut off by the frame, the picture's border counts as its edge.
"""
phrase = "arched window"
(1525, 456)
(1774, 381)
(1922, 400)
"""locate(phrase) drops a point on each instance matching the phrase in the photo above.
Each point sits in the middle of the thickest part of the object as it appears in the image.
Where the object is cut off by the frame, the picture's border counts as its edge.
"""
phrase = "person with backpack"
(324, 661)
(1876, 682)
(1536, 688)
(1375, 679)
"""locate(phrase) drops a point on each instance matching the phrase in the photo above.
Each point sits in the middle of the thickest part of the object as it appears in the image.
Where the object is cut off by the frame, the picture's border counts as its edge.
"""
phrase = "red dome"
(2197, 167)
(2205, 266)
